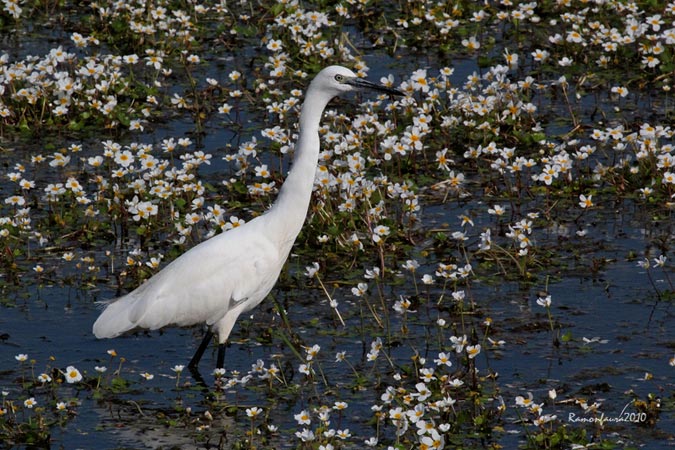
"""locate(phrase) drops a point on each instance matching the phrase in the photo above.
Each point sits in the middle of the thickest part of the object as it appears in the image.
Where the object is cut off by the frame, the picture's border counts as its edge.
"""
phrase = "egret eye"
(339, 78)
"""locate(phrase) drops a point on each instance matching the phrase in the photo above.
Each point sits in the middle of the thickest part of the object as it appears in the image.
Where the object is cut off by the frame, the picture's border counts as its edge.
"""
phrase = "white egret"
(217, 280)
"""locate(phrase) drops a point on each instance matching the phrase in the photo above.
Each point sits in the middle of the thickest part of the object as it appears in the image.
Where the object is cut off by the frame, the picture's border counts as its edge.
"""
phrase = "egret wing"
(207, 281)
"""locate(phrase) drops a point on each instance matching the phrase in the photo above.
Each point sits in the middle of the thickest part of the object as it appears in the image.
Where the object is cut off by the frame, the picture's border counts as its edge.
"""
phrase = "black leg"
(194, 362)
(221, 356)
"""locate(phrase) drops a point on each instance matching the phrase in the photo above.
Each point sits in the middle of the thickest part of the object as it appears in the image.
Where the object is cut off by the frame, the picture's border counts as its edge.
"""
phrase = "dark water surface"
(613, 321)
(617, 304)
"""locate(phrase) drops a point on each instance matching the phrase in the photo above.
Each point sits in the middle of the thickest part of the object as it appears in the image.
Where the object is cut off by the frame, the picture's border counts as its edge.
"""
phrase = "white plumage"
(231, 273)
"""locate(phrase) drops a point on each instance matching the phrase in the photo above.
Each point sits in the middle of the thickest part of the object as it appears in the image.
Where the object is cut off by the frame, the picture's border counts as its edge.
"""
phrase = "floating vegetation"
(447, 228)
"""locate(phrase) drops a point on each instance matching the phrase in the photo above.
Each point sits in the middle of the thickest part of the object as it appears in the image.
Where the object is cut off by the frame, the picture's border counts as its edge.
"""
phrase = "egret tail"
(114, 320)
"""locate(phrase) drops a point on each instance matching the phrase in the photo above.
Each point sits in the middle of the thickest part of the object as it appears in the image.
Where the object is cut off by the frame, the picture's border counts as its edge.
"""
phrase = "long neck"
(290, 207)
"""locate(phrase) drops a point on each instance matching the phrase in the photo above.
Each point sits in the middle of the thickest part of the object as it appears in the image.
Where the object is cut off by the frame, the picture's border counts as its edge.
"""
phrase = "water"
(612, 320)
(616, 304)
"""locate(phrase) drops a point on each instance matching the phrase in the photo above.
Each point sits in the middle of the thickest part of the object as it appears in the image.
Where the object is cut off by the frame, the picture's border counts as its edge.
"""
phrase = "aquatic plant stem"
(330, 299)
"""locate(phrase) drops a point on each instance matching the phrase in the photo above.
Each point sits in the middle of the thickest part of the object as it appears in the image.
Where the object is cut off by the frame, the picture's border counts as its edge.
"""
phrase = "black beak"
(360, 83)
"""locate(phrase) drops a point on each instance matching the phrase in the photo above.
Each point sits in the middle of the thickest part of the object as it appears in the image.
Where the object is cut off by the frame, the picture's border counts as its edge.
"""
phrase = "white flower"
(622, 91)
(253, 412)
(544, 301)
(372, 274)
(585, 202)
(443, 359)
(312, 352)
(44, 378)
(360, 289)
(371, 442)
(305, 435)
(310, 271)
(423, 392)
(473, 350)
(496, 210)
(381, 230)
(72, 374)
(565, 62)
(458, 343)
(305, 369)
(340, 406)
(274, 45)
(411, 265)
(303, 417)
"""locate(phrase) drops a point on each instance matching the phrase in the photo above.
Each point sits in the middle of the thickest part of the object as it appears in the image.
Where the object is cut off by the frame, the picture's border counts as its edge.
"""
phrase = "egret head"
(337, 80)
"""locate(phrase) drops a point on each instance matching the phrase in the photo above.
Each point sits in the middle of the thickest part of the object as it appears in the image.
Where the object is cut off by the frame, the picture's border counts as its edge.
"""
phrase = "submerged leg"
(221, 356)
(202, 348)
